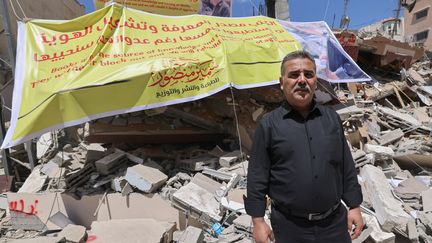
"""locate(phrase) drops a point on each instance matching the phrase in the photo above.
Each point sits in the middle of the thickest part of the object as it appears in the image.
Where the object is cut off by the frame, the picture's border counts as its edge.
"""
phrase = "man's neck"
(304, 110)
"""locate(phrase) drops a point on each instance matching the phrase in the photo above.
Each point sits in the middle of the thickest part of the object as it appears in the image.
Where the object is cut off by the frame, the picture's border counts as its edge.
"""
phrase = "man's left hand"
(355, 218)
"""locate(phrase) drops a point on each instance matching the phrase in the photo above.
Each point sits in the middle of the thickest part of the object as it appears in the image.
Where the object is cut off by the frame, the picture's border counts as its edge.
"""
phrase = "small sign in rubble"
(179, 173)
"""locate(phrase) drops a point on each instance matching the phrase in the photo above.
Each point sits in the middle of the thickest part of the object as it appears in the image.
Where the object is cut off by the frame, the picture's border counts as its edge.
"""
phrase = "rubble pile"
(180, 172)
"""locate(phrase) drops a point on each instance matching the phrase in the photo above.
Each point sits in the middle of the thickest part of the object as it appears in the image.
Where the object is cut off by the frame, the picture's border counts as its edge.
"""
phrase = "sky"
(360, 12)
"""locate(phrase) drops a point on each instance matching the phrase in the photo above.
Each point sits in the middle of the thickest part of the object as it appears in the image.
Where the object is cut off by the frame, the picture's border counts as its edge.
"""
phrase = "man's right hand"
(261, 231)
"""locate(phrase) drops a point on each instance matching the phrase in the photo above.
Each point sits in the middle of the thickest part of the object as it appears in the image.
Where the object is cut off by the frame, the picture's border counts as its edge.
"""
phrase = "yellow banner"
(165, 7)
(125, 60)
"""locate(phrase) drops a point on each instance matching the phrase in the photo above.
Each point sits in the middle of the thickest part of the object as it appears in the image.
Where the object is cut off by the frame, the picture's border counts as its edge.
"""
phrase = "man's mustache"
(302, 87)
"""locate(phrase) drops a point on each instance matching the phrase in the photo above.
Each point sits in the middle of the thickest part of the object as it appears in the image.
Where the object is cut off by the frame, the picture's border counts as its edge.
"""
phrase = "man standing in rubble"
(301, 160)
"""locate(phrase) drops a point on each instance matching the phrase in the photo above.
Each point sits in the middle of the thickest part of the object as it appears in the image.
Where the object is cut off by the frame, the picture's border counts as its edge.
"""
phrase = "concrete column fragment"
(389, 211)
(145, 178)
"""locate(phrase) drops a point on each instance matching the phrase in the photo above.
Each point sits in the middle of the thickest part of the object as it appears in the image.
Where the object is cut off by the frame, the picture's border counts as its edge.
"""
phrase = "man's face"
(299, 82)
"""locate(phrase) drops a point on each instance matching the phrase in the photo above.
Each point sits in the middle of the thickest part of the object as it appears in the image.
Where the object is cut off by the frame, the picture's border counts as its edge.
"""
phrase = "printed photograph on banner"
(164, 7)
(220, 8)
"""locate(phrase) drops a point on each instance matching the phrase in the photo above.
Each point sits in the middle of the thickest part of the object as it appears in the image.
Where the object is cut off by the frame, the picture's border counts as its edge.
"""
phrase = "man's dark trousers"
(292, 229)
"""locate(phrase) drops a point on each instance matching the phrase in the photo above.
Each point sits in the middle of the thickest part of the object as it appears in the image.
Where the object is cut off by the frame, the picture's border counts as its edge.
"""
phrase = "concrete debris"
(52, 170)
(410, 188)
(191, 235)
(391, 137)
(377, 234)
(380, 152)
(143, 175)
(198, 196)
(35, 181)
(145, 178)
(60, 220)
(73, 233)
(388, 210)
(230, 158)
(132, 230)
(110, 163)
(363, 236)
(95, 151)
(427, 200)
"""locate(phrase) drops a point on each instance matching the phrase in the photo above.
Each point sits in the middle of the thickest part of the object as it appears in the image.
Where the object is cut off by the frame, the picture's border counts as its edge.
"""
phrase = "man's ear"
(281, 83)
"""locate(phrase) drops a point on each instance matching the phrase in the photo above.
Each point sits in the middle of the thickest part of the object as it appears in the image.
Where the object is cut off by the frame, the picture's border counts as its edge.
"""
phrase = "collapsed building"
(180, 171)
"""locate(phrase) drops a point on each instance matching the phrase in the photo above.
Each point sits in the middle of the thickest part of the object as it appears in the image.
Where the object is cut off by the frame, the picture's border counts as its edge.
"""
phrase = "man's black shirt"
(301, 163)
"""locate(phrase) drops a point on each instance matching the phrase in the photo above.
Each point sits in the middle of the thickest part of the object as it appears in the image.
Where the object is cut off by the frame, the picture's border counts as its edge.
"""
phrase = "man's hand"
(355, 218)
(261, 231)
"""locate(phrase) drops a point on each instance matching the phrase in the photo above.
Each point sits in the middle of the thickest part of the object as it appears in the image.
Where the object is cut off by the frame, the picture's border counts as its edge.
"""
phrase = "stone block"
(145, 178)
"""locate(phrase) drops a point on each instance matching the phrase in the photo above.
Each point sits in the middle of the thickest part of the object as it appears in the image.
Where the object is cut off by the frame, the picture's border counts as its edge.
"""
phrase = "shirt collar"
(288, 108)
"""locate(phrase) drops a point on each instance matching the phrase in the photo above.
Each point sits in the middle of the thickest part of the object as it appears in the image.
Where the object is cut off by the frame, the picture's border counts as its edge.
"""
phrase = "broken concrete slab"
(132, 230)
(31, 211)
(115, 206)
(199, 197)
(239, 168)
(145, 178)
(377, 234)
(43, 144)
(79, 177)
(427, 200)
(228, 159)
(243, 223)
(110, 163)
(34, 182)
(346, 112)
(196, 164)
(389, 211)
(118, 183)
(363, 235)
(416, 76)
(52, 170)
(413, 234)
(73, 233)
(95, 151)
(381, 152)
(391, 137)
(38, 239)
(410, 188)
(61, 158)
(191, 235)
(60, 220)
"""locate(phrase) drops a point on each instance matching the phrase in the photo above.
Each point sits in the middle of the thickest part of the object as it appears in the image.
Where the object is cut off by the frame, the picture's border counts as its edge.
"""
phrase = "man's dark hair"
(297, 55)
